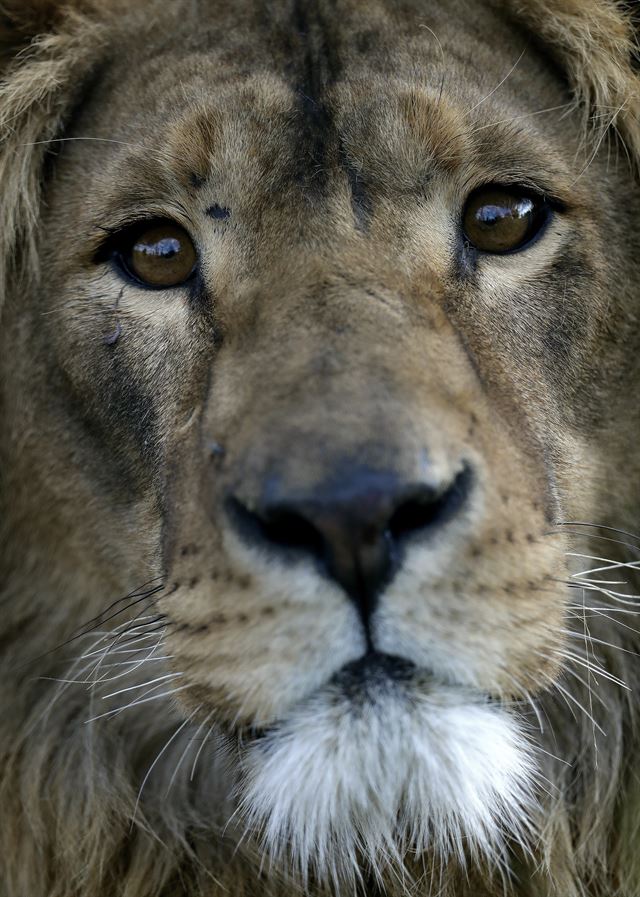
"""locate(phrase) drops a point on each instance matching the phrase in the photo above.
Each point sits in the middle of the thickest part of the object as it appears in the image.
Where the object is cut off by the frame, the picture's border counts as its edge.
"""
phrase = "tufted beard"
(350, 785)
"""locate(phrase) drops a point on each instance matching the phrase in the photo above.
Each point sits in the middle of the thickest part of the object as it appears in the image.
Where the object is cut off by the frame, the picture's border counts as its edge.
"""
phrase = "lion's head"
(320, 324)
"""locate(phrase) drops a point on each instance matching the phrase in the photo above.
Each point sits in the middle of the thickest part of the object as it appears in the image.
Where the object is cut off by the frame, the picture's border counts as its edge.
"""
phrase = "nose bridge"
(334, 358)
(331, 295)
(305, 344)
(334, 329)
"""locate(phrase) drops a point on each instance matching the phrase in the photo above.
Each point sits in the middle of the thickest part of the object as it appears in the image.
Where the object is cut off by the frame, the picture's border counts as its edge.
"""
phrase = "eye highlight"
(158, 254)
(499, 220)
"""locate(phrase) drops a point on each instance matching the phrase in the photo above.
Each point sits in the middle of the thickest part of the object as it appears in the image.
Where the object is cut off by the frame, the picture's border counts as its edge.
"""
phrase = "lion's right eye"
(158, 255)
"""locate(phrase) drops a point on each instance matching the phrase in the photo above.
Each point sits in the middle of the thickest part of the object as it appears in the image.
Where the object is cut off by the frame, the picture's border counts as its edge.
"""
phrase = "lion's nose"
(355, 528)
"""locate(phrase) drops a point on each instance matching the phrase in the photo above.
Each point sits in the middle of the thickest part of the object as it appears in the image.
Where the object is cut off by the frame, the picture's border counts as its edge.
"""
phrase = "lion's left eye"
(503, 219)
(159, 254)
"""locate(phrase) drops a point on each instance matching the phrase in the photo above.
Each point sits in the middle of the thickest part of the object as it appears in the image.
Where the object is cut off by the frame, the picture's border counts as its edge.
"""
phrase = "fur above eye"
(157, 254)
(499, 220)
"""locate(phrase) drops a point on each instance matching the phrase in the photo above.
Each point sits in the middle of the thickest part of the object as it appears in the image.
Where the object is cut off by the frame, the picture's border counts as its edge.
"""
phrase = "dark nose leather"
(354, 527)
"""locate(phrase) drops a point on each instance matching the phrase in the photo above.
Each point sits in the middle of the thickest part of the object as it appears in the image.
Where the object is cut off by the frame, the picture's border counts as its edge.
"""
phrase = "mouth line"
(375, 670)
(362, 683)
(368, 684)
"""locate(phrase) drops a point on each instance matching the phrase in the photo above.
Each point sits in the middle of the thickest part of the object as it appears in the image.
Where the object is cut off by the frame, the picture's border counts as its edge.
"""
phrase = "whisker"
(598, 641)
(569, 697)
(157, 659)
(117, 710)
(153, 765)
(598, 536)
(136, 593)
(592, 608)
(553, 756)
(122, 691)
(83, 631)
(611, 529)
(611, 565)
(134, 665)
(499, 85)
(200, 749)
(588, 687)
(596, 670)
(186, 750)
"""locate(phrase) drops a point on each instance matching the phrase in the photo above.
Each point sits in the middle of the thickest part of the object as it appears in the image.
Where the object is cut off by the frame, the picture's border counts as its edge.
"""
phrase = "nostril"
(291, 530)
(424, 508)
(278, 525)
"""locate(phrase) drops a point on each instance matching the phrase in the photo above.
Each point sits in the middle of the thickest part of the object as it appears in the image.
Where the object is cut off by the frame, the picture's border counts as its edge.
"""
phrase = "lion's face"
(354, 419)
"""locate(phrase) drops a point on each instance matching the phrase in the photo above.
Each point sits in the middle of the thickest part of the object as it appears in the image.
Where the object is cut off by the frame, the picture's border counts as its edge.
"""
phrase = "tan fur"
(332, 324)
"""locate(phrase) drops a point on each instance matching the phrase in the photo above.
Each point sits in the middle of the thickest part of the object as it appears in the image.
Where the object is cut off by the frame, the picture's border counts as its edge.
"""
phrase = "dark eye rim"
(119, 243)
(548, 207)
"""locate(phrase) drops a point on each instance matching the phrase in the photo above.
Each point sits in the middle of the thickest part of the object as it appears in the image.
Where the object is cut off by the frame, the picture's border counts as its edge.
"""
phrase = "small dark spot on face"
(493, 540)
(215, 576)
(510, 536)
(215, 449)
(530, 538)
(173, 588)
(476, 551)
(193, 582)
(218, 620)
(189, 549)
(267, 611)
(204, 627)
(112, 338)
(364, 41)
(243, 618)
(197, 180)
(220, 213)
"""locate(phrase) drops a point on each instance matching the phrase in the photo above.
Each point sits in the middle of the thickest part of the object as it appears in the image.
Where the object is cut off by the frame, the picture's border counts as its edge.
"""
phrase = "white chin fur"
(344, 781)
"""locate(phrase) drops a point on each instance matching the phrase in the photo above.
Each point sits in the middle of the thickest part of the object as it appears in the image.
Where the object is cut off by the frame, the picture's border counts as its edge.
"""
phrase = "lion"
(320, 486)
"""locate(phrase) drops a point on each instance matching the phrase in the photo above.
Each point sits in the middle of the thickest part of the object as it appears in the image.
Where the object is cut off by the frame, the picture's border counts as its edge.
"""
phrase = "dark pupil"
(490, 215)
(164, 249)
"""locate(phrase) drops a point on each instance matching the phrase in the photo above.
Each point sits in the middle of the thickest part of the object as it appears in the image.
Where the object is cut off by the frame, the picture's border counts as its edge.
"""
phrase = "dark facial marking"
(112, 338)
(316, 67)
(197, 180)
(360, 199)
(221, 213)
(216, 450)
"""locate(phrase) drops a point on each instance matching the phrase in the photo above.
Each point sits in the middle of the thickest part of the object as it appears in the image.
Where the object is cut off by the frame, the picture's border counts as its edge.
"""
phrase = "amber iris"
(499, 219)
(161, 255)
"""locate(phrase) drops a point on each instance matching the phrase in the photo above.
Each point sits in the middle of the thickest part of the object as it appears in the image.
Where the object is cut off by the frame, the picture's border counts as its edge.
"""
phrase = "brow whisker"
(499, 85)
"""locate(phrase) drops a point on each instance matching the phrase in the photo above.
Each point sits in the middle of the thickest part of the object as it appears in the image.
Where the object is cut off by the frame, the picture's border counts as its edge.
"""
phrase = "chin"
(383, 763)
